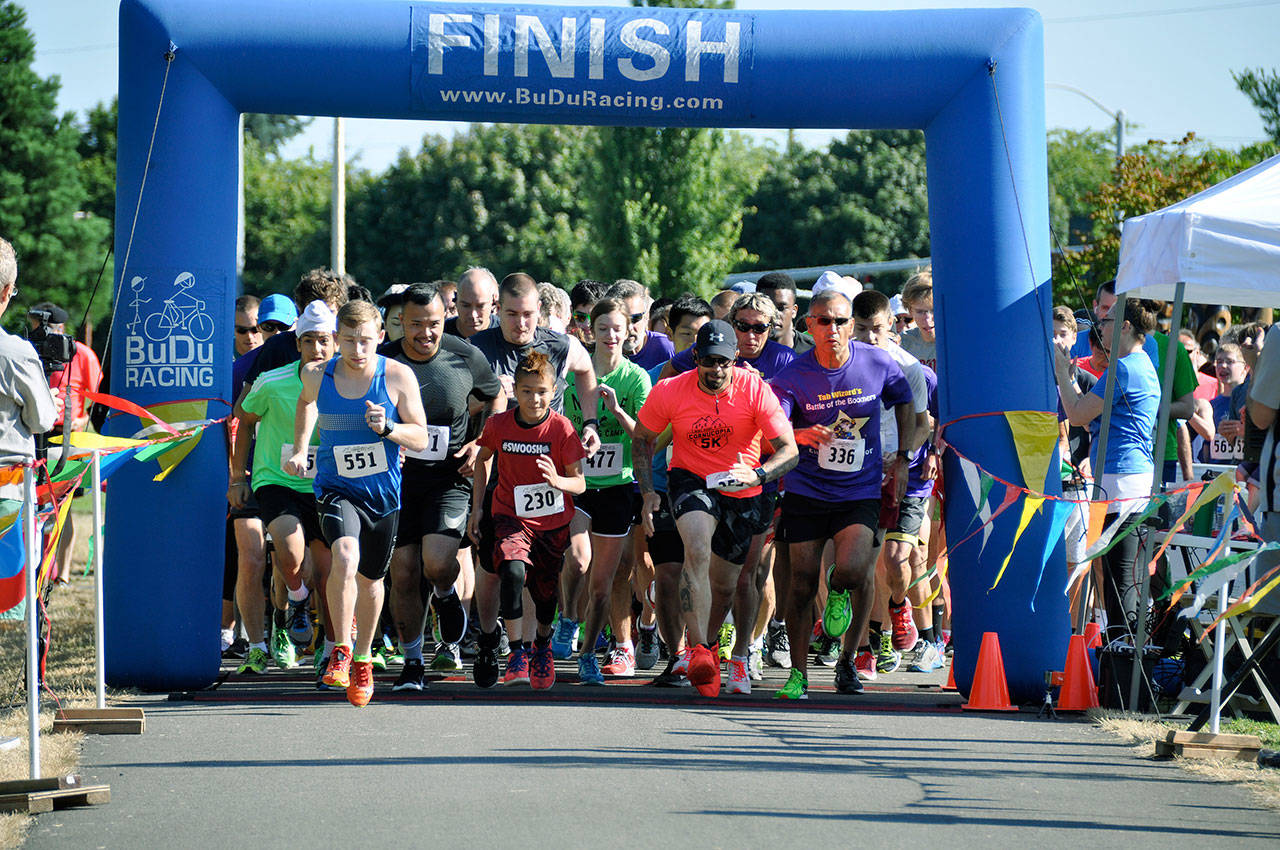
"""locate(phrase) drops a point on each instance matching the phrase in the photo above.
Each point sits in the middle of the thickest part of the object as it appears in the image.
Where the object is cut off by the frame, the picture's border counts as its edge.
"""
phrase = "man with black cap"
(717, 413)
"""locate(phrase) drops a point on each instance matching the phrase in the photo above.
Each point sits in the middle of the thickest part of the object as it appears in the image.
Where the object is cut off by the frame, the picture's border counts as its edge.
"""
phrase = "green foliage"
(287, 211)
(1079, 162)
(271, 131)
(1263, 90)
(42, 212)
(863, 198)
(509, 197)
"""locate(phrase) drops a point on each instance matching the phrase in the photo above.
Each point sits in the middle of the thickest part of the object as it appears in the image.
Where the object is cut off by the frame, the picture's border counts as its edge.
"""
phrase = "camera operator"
(72, 369)
(26, 405)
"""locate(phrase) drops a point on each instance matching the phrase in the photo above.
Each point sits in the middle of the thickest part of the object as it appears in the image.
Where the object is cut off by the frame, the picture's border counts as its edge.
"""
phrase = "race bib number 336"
(361, 461)
(537, 500)
(842, 455)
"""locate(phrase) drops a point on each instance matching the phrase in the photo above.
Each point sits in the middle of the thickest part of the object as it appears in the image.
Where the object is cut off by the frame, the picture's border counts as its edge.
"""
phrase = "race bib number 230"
(536, 500)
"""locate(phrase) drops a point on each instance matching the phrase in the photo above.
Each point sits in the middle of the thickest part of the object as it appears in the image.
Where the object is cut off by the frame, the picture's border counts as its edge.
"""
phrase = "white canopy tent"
(1223, 243)
(1221, 246)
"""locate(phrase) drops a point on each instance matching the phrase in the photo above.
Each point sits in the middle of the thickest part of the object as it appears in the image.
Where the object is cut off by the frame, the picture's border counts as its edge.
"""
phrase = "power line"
(1156, 13)
(84, 48)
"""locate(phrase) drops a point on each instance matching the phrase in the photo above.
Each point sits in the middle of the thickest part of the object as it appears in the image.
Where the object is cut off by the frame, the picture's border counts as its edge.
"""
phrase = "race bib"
(1226, 450)
(535, 500)
(286, 452)
(725, 481)
(842, 455)
(362, 460)
(437, 444)
(606, 461)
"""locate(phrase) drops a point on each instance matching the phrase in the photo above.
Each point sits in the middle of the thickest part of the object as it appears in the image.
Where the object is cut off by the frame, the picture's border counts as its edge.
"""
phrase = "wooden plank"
(1220, 739)
(1209, 745)
(36, 802)
(101, 714)
(48, 783)
(125, 726)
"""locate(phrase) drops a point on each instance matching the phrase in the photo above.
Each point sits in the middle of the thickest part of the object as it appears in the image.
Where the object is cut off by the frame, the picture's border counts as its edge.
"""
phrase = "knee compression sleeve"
(511, 589)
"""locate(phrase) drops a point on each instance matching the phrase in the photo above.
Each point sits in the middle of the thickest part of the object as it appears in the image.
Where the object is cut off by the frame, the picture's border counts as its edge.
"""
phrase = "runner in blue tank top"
(366, 408)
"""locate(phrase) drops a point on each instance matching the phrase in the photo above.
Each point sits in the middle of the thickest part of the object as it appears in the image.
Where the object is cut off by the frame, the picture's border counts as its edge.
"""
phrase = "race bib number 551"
(361, 460)
(535, 500)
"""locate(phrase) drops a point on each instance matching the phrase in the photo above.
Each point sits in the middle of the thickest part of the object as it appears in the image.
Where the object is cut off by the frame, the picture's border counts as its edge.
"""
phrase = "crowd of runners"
(503, 474)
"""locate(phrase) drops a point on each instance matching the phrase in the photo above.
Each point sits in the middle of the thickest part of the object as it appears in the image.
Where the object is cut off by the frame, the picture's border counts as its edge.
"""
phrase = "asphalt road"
(273, 763)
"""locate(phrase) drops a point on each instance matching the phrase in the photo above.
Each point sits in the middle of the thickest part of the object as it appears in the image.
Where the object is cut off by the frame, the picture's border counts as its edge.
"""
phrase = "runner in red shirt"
(539, 468)
(717, 414)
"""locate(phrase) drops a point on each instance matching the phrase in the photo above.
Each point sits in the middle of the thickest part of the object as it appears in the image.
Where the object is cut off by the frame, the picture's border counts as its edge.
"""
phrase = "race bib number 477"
(606, 461)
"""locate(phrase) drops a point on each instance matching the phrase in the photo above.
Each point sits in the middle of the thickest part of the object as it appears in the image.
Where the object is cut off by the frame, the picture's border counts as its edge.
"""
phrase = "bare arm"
(584, 379)
(1183, 408)
(1080, 410)
(238, 490)
(1261, 415)
(479, 480)
(1202, 421)
(304, 419)
(411, 431)
(572, 482)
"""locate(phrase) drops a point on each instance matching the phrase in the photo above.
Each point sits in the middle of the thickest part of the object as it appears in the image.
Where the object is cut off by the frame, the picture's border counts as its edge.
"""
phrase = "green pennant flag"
(1156, 502)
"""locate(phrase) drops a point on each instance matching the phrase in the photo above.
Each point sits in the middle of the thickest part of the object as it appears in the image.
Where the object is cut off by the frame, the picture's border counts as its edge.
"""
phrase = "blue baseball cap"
(278, 308)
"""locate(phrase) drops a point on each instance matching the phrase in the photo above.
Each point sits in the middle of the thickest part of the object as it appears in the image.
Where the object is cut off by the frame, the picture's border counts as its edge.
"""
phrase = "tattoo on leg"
(686, 598)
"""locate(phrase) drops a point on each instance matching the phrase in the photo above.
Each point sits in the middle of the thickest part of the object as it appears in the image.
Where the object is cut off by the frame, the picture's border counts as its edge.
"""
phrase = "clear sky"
(1166, 63)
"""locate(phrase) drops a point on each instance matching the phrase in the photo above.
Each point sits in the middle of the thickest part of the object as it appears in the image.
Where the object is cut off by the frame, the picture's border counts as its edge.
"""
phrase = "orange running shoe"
(360, 691)
(338, 673)
(704, 670)
(542, 668)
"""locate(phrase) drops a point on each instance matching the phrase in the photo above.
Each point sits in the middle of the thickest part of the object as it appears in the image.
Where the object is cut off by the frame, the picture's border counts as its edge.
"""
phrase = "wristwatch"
(760, 473)
(594, 423)
(904, 454)
(386, 429)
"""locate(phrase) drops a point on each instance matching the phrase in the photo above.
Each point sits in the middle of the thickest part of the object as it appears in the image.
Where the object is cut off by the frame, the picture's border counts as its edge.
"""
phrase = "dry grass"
(1139, 730)
(69, 674)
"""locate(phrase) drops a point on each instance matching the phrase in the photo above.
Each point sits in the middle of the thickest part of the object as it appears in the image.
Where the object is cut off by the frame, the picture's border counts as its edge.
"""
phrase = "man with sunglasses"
(835, 396)
(642, 346)
(717, 414)
(752, 318)
(582, 298)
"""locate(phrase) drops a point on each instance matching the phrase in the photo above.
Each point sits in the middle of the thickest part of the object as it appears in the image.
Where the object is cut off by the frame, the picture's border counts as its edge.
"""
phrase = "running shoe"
(682, 663)
(360, 688)
(412, 677)
(320, 663)
(826, 650)
(929, 657)
(622, 663)
(283, 652)
(517, 668)
(739, 682)
(378, 657)
(647, 651)
(865, 665)
(448, 658)
(728, 634)
(905, 633)
(564, 640)
(779, 646)
(797, 687)
(847, 681)
(484, 670)
(888, 659)
(839, 611)
(603, 641)
(589, 669)
(468, 646)
(255, 662)
(451, 617)
(542, 668)
(299, 618)
(704, 670)
(239, 648)
(338, 673)
(673, 677)
(755, 661)
(504, 642)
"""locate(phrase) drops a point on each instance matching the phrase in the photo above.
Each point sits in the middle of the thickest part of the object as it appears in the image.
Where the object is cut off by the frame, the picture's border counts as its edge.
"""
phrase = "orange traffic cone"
(951, 678)
(989, 692)
(1078, 692)
(1092, 635)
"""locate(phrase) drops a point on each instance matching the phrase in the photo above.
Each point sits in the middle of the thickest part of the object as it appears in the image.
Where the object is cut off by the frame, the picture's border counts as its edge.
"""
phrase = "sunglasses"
(246, 329)
(715, 362)
(827, 321)
(636, 317)
(743, 327)
(581, 317)
(271, 326)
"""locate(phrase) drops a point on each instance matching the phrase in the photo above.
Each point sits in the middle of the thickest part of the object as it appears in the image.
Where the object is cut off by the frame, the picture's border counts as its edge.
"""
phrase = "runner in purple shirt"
(835, 396)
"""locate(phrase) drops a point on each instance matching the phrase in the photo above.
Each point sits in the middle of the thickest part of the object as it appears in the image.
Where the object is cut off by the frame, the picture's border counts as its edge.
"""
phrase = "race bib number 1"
(606, 461)
(535, 500)
(437, 444)
(361, 461)
(842, 455)
(286, 452)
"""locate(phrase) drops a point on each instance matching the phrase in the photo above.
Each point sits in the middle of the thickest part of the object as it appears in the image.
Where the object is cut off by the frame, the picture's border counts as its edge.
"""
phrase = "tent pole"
(1157, 484)
(1104, 433)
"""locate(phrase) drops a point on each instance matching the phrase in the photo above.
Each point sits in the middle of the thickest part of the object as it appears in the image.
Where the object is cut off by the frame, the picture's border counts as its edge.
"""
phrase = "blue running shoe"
(564, 640)
(589, 669)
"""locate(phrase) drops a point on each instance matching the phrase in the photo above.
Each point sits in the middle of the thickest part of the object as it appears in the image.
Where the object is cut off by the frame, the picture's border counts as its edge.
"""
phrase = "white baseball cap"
(847, 286)
(317, 317)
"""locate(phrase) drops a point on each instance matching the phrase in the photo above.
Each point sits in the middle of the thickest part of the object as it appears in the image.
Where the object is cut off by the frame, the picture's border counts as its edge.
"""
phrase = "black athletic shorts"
(738, 519)
(249, 511)
(612, 510)
(340, 517)
(437, 503)
(665, 545)
(911, 515)
(276, 500)
(805, 519)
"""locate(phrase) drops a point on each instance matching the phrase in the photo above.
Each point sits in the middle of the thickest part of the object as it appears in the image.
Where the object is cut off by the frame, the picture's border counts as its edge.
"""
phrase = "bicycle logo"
(181, 312)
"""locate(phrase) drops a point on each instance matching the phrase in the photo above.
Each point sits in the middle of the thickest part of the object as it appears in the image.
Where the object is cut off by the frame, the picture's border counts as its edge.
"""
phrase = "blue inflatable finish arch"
(971, 79)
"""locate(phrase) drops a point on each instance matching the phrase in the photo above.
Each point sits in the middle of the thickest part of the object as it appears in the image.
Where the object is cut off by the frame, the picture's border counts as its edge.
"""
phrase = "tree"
(59, 245)
(1263, 90)
(509, 197)
(1079, 162)
(862, 198)
(287, 206)
(272, 131)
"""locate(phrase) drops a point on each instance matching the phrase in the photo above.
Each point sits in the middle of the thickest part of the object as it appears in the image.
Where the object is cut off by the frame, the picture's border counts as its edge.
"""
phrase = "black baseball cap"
(717, 339)
(57, 315)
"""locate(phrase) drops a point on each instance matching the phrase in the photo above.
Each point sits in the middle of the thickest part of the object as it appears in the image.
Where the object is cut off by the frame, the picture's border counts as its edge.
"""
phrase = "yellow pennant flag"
(1029, 508)
(1035, 432)
(181, 413)
(1221, 486)
(1097, 521)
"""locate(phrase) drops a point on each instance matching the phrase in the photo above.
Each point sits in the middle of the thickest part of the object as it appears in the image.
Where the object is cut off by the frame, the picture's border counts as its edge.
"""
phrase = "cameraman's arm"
(38, 410)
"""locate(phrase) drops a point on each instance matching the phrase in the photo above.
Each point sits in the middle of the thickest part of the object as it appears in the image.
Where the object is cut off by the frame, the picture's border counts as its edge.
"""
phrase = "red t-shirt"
(708, 432)
(521, 490)
(1083, 363)
(85, 375)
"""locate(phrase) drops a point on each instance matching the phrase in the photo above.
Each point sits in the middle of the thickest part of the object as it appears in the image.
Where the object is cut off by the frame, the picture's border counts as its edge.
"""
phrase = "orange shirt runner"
(708, 432)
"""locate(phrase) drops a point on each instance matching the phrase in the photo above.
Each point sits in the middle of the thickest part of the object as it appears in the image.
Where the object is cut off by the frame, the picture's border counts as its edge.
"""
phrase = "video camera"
(55, 350)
